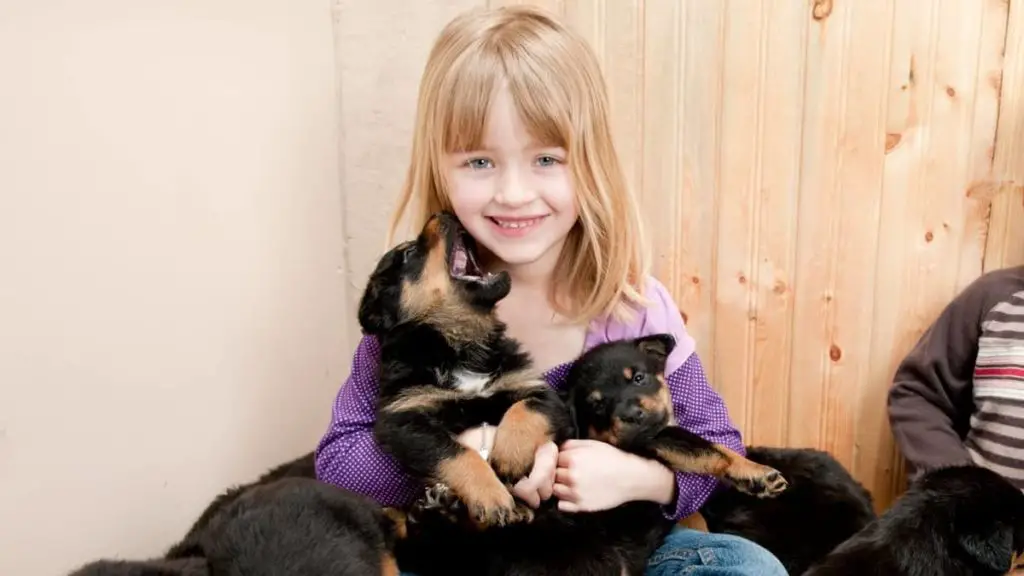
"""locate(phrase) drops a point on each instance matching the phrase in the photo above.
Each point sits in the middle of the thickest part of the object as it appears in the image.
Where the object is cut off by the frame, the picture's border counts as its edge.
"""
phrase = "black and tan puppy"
(284, 522)
(189, 546)
(955, 521)
(618, 394)
(822, 506)
(448, 366)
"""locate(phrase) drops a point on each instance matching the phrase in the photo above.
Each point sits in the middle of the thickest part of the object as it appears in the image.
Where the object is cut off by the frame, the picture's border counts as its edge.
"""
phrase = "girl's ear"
(656, 346)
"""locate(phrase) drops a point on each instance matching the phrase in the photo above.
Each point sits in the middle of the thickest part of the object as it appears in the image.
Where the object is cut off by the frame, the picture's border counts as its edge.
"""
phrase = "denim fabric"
(687, 551)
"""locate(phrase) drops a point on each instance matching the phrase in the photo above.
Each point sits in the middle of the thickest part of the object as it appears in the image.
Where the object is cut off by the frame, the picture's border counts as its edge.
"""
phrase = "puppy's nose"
(635, 412)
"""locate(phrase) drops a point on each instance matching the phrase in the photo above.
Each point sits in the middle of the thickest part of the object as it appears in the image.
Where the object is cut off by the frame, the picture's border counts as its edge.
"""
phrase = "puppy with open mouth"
(447, 365)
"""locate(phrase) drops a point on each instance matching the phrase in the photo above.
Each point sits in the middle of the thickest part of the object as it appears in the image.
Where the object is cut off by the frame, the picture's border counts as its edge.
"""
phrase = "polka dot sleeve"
(699, 409)
(348, 455)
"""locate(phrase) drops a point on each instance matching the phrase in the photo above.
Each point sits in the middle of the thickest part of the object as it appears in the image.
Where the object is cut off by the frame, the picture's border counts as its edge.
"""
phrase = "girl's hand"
(539, 485)
(594, 476)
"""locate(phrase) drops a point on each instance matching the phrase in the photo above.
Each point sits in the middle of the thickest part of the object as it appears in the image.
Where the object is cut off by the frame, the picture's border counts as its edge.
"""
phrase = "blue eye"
(479, 163)
(547, 160)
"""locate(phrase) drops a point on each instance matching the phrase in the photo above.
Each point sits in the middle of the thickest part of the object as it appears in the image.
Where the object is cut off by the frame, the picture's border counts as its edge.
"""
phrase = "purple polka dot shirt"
(348, 455)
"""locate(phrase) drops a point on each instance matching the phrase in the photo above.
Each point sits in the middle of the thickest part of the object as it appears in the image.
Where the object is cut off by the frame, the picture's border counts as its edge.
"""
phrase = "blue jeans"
(696, 553)
(687, 551)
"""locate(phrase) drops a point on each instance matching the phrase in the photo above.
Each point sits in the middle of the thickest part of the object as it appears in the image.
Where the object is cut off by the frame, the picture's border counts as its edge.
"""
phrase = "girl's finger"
(563, 476)
(547, 484)
(525, 490)
(567, 506)
(571, 444)
(563, 493)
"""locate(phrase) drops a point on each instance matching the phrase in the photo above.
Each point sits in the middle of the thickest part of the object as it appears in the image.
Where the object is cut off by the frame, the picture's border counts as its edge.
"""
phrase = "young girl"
(512, 134)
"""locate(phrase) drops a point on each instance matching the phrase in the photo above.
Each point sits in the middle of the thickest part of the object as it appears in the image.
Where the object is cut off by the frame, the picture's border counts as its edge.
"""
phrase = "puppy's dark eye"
(639, 378)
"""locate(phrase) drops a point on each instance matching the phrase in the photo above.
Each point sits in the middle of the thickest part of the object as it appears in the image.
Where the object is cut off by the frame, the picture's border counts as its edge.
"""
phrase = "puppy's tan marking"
(388, 565)
(714, 463)
(398, 519)
(748, 476)
(520, 432)
(610, 436)
(694, 521)
(421, 398)
(628, 373)
(524, 380)
(476, 484)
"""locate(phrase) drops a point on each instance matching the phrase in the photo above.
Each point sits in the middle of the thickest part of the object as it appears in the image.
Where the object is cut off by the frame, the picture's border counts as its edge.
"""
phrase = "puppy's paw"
(493, 508)
(757, 480)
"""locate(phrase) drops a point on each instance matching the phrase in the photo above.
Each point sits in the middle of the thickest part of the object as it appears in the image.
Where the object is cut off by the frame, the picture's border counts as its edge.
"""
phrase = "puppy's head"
(433, 279)
(617, 390)
(987, 516)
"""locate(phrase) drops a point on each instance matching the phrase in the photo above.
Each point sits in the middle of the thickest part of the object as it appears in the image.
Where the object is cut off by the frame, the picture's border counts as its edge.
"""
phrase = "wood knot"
(821, 9)
(996, 81)
(780, 287)
(695, 280)
(742, 278)
(835, 353)
(950, 92)
(928, 236)
(892, 141)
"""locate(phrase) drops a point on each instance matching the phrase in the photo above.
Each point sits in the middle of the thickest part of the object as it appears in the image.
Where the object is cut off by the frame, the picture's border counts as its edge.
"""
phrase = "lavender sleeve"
(348, 455)
(699, 409)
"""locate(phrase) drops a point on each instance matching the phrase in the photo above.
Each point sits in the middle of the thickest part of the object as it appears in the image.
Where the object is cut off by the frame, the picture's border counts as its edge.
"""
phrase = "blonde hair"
(557, 86)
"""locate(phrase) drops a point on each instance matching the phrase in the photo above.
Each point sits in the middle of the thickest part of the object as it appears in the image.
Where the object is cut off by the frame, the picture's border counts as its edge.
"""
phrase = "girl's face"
(515, 195)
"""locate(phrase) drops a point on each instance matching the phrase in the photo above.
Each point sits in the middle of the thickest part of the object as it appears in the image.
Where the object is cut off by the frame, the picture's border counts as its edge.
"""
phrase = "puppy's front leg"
(684, 451)
(410, 432)
(536, 416)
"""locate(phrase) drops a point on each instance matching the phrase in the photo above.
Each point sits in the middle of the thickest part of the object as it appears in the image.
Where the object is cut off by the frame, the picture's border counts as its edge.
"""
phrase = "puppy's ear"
(378, 310)
(656, 346)
(991, 546)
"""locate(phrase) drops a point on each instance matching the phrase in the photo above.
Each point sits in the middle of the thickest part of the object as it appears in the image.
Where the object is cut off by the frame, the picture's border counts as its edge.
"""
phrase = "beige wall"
(172, 298)
(189, 208)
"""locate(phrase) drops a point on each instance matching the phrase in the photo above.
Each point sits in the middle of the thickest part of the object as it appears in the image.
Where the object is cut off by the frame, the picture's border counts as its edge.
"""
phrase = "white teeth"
(515, 224)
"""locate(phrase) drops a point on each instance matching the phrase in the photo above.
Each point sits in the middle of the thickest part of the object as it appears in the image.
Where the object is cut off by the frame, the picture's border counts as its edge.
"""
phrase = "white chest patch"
(470, 382)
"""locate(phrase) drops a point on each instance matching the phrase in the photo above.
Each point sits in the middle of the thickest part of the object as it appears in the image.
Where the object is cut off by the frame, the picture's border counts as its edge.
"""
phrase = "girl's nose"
(514, 189)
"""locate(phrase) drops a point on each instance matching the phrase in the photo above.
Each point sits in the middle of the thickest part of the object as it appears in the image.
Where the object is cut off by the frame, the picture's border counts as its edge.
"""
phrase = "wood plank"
(782, 86)
(691, 236)
(1005, 246)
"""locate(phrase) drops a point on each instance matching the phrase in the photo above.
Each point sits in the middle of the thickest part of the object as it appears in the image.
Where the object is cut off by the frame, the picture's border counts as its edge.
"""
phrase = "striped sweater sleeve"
(932, 399)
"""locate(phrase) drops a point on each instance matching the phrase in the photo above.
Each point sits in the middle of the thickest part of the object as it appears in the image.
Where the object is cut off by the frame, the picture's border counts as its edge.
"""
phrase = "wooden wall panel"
(819, 177)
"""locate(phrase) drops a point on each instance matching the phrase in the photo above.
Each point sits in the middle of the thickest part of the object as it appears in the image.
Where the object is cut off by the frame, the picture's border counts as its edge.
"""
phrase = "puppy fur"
(301, 467)
(954, 521)
(285, 522)
(448, 366)
(822, 506)
(617, 394)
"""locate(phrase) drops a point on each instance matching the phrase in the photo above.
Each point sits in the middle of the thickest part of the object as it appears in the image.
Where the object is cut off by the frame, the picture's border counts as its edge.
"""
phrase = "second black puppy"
(447, 365)
(955, 521)
(822, 506)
